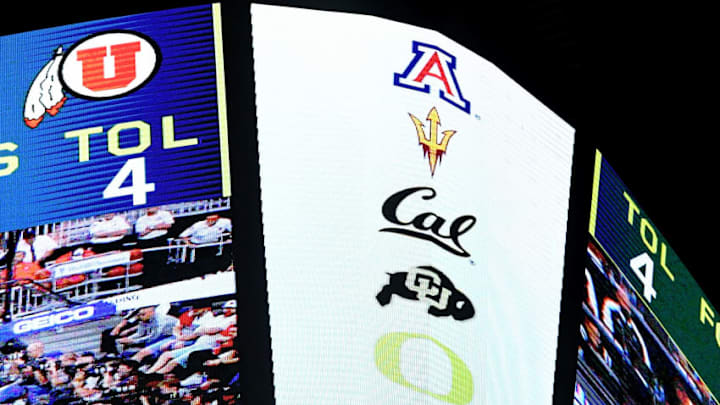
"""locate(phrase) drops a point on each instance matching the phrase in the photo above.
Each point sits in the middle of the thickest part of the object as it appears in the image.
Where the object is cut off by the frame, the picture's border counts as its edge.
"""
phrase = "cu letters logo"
(428, 285)
(433, 69)
(106, 65)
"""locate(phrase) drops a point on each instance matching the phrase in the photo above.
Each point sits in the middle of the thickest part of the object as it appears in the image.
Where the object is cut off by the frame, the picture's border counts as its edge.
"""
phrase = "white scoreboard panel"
(415, 204)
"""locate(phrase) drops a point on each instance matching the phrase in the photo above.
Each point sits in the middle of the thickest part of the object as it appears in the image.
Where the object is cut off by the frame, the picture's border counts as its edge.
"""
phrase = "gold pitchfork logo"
(431, 147)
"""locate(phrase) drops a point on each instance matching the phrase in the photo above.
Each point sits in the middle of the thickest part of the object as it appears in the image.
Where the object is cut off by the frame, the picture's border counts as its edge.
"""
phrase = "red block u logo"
(93, 66)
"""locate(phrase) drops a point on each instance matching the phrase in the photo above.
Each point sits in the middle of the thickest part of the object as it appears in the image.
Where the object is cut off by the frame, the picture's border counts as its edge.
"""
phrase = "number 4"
(138, 188)
(637, 263)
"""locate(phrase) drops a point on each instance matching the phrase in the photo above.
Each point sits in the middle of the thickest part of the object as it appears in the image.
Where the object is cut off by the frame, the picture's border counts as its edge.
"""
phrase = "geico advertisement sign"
(65, 317)
(61, 318)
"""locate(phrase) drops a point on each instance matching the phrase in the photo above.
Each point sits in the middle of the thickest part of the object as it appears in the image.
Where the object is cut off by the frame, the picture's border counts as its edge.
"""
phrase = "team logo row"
(431, 67)
(431, 70)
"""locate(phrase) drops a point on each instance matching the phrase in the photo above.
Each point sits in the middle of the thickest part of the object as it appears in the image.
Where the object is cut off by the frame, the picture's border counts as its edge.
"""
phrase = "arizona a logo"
(106, 65)
(433, 69)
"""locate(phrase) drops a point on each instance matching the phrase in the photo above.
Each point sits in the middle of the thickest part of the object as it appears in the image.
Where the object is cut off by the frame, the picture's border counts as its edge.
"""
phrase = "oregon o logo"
(387, 359)
(110, 64)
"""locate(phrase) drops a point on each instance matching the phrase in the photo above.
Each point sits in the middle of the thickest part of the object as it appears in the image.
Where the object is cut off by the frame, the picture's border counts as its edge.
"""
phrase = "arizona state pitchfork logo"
(431, 147)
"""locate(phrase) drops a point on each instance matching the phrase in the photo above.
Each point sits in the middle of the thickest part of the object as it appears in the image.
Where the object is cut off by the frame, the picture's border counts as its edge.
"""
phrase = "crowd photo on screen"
(117, 253)
(170, 353)
(625, 356)
(133, 307)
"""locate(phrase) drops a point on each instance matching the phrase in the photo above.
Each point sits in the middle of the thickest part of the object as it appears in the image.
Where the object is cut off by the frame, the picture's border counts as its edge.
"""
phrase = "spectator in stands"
(154, 326)
(24, 376)
(590, 295)
(592, 350)
(682, 396)
(153, 224)
(3, 249)
(68, 359)
(57, 373)
(212, 342)
(209, 335)
(34, 351)
(127, 325)
(107, 233)
(150, 229)
(218, 365)
(183, 336)
(3, 267)
(618, 317)
(208, 231)
(611, 273)
(687, 374)
(591, 336)
(86, 386)
(86, 359)
(35, 248)
(123, 376)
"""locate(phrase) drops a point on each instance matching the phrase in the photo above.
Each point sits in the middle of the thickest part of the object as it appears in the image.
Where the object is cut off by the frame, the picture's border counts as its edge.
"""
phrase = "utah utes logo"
(46, 93)
(433, 69)
(102, 66)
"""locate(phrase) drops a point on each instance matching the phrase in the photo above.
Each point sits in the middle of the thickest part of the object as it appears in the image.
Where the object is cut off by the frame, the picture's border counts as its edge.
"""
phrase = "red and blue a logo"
(433, 69)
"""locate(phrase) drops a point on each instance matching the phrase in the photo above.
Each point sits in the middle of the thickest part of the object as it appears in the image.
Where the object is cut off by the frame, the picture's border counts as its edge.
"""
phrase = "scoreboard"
(107, 98)
(648, 331)
(233, 203)
(415, 204)
(117, 281)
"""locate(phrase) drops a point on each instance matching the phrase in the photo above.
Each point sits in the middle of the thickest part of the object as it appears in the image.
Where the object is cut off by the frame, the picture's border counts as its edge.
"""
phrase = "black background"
(636, 81)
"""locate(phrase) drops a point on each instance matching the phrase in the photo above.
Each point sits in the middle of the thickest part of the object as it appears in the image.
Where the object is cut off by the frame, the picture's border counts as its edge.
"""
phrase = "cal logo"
(105, 65)
(433, 69)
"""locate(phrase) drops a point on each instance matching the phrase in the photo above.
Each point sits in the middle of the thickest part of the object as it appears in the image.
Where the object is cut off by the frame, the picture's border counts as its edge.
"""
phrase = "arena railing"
(32, 296)
(77, 231)
(25, 294)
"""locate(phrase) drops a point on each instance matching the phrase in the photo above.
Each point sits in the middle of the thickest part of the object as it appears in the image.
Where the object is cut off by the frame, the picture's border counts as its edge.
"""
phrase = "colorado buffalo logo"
(429, 285)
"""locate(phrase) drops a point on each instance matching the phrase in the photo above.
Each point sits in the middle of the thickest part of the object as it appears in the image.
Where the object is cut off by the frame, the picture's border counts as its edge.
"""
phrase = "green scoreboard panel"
(649, 334)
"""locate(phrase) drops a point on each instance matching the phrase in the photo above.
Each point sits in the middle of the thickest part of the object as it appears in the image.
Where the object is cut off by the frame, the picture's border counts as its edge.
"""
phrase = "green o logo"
(387, 359)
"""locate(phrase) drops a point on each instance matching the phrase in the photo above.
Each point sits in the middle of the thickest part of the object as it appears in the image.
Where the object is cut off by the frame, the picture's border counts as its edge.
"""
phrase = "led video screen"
(414, 206)
(117, 283)
(648, 332)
